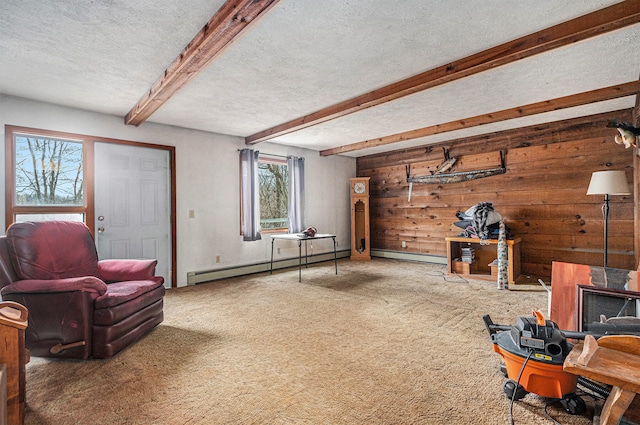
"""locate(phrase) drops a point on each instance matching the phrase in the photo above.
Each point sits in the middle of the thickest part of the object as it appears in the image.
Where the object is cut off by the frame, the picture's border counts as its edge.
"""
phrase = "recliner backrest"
(52, 250)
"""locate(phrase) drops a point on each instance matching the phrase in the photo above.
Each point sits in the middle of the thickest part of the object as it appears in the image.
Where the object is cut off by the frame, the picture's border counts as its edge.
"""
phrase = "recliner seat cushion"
(52, 250)
(122, 292)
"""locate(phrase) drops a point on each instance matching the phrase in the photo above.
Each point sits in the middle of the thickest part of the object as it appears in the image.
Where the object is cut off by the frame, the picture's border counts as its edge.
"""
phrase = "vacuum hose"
(592, 386)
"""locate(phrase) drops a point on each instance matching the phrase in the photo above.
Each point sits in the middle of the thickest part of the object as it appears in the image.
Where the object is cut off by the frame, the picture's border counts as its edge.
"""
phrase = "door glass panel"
(48, 171)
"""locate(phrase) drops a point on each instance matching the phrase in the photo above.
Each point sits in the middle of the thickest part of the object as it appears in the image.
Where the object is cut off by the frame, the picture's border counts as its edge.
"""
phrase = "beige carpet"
(382, 342)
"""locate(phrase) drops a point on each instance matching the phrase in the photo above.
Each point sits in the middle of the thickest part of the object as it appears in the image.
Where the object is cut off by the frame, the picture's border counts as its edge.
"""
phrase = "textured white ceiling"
(305, 55)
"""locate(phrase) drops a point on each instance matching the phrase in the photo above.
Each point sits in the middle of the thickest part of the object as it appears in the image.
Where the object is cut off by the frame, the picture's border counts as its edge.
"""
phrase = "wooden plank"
(229, 23)
(510, 213)
(573, 243)
(581, 28)
(617, 228)
(569, 211)
(547, 256)
(553, 253)
(547, 134)
(551, 196)
(578, 99)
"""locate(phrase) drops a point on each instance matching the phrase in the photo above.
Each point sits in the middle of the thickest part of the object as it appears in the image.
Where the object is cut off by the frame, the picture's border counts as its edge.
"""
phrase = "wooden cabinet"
(485, 252)
(13, 322)
(360, 230)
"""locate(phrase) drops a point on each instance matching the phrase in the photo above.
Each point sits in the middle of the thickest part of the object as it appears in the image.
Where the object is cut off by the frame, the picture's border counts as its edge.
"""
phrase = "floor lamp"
(610, 182)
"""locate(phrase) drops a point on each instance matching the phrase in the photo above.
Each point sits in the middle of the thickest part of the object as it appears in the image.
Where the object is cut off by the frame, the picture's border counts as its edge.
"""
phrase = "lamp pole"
(607, 183)
(605, 216)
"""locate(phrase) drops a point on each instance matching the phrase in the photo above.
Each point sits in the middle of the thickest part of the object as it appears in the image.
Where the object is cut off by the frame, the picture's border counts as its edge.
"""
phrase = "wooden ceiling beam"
(586, 26)
(598, 95)
(226, 26)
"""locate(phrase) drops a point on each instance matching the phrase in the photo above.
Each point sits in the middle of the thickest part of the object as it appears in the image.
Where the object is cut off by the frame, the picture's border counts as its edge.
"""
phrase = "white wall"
(207, 181)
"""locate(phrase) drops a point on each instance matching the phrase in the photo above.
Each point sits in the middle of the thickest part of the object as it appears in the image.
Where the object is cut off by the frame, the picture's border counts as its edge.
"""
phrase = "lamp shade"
(610, 182)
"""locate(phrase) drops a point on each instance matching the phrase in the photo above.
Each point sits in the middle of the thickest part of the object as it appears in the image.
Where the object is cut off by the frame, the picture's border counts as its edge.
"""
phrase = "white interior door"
(132, 204)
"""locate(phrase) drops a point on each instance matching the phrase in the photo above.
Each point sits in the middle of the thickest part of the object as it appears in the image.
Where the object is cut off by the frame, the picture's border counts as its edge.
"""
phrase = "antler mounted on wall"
(457, 177)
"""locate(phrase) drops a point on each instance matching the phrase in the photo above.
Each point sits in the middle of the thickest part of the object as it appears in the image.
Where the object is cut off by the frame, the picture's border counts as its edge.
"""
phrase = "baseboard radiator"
(409, 256)
(204, 276)
(194, 278)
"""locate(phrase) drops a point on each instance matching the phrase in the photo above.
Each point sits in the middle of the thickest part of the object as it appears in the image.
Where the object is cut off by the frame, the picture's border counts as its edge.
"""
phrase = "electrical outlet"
(217, 258)
(278, 251)
(192, 214)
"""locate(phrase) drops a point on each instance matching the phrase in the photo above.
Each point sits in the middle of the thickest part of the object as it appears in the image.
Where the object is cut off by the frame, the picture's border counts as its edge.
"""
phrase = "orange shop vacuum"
(533, 352)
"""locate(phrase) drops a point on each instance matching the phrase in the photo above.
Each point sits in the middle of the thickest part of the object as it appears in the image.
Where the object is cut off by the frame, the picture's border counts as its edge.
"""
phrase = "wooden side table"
(486, 252)
(612, 360)
(13, 322)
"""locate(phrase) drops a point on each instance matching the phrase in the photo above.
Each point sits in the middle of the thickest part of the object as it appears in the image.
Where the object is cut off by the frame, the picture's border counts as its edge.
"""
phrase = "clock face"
(359, 187)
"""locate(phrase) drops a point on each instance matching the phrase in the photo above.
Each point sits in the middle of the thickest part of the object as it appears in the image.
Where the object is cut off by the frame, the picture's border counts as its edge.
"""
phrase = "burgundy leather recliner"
(79, 307)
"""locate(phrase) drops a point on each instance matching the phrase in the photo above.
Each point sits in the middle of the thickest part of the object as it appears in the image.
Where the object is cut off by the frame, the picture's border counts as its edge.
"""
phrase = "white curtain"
(296, 193)
(250, 195)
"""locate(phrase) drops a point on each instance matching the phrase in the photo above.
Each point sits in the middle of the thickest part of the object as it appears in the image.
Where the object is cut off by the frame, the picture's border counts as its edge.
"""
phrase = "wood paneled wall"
(542, 196)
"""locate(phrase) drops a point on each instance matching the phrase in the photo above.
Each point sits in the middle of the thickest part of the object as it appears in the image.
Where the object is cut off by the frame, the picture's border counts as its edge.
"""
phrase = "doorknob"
(100, 229)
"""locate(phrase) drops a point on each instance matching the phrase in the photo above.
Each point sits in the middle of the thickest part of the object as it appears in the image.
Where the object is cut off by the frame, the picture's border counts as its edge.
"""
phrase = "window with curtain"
(272, 194)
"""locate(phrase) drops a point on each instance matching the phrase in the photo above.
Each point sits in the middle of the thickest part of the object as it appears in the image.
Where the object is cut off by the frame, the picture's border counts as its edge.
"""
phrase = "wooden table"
(486, 252)
(612, 360)
(299, 237)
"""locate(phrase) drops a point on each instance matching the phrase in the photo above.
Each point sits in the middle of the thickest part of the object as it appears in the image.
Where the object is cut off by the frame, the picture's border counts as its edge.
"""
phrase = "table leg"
(616, 405)
(271, 264)
(300, 260)
(510, 258)
(306, 255)
(335, 257)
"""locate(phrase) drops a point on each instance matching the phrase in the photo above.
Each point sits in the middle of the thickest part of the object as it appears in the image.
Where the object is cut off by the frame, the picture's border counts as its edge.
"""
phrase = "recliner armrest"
(123, 270)
(84, 284)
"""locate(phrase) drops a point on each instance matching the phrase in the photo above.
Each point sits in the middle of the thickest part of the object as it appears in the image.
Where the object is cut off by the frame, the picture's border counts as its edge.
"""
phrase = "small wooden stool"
(612, 360)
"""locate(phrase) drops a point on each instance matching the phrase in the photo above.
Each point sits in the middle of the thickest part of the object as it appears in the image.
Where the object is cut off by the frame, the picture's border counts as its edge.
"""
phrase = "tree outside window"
(48, 172)
(273, 177)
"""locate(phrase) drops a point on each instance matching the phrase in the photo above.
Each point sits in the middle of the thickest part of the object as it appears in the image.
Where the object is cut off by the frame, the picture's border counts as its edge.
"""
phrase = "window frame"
(11, 209)
(265, 158)
(272, 159)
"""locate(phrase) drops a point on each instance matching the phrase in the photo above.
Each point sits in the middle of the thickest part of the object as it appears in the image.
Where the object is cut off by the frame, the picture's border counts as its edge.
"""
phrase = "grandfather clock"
(360, 231)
